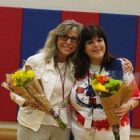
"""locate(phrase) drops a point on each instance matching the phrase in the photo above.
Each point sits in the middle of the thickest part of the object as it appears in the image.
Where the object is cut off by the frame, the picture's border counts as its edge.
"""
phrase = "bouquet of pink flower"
(112, 93)
(25, 84)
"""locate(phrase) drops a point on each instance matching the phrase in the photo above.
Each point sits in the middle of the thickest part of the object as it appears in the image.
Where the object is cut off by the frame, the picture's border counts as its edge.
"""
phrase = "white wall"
(131, 7)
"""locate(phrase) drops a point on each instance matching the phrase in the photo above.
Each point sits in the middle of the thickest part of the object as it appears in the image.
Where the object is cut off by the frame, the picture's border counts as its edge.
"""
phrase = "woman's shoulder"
(117, 64)
(36, 59)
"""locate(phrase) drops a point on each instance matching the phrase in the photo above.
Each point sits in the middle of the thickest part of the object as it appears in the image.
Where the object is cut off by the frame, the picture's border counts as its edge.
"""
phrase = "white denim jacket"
(28, 116)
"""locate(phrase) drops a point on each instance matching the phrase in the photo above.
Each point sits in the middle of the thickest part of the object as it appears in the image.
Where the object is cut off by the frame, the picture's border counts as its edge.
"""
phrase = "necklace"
(62, 77)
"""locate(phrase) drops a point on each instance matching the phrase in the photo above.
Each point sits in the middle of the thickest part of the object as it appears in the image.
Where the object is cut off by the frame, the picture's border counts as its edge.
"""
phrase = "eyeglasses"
(73, 39)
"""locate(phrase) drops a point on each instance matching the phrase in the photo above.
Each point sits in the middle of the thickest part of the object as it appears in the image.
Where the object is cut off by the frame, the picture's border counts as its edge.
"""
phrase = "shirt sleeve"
(17, 99)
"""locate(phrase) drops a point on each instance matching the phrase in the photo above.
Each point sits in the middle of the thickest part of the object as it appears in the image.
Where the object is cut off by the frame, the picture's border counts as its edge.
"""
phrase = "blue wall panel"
(36, 25)
(121, 32)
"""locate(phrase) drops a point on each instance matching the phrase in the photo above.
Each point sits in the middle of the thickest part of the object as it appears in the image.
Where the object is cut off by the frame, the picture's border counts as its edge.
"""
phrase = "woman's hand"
(123, 109)
(126, 107)
(127, 66)
(36, 106)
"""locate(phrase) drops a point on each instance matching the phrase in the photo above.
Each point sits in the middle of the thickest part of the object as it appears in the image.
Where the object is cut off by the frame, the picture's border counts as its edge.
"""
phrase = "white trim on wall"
(130, 7)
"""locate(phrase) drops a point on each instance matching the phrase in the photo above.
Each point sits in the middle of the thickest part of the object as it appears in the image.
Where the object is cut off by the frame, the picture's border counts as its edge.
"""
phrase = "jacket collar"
(50, 64)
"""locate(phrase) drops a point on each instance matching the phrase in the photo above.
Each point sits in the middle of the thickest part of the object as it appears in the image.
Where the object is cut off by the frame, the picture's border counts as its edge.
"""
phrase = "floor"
(7, 135)
(11, 135)
(8, 132)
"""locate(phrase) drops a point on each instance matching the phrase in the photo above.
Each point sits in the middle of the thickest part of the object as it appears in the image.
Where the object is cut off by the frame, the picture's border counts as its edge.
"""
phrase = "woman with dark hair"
(93, 57)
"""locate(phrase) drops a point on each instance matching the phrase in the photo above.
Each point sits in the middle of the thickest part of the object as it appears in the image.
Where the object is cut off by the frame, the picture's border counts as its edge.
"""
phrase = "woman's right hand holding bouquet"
(34, 105)
(126, 107)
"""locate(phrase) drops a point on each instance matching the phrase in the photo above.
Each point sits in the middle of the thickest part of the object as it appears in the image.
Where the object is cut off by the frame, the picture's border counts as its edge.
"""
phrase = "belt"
(101, 124)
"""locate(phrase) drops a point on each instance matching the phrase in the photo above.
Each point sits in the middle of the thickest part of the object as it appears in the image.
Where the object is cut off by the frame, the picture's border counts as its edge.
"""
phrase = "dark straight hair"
(82, 62)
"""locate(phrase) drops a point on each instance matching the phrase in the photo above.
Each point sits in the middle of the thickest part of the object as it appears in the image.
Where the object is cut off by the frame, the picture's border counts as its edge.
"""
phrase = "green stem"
(58, 120)
(115, 129)
(61, 123)
(117, 136)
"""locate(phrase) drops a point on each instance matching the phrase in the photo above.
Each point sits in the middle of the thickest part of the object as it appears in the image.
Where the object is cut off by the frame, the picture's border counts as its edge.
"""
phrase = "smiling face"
(95, 49)
(67, 44)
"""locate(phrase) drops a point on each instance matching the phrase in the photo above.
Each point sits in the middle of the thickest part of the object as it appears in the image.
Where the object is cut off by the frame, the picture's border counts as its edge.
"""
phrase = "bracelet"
(132, 104)
(131, 107)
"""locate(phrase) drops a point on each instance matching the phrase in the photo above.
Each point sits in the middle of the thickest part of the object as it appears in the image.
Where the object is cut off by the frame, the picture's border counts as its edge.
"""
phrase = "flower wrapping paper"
(121, 96)
(113, 93)
(32, 91)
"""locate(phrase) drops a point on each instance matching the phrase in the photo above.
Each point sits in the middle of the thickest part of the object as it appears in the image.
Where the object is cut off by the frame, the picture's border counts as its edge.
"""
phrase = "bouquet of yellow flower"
(112, 93)
(25, 84)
